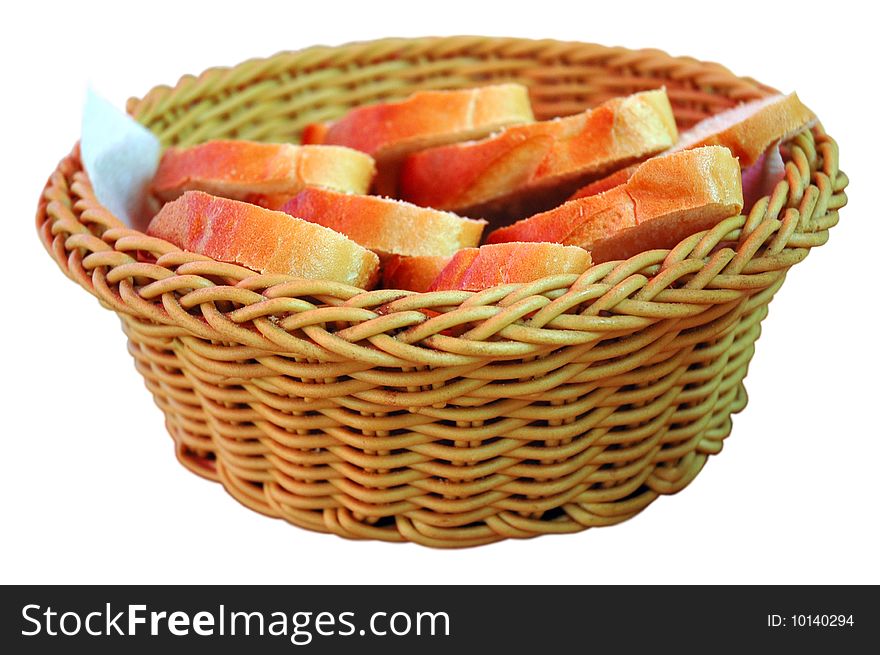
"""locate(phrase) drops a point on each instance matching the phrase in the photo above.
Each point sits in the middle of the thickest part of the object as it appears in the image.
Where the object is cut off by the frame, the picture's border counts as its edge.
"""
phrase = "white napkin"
(120, 156)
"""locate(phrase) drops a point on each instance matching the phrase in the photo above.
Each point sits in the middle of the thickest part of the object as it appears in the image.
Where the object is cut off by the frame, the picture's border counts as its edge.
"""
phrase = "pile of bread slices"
(445, 167)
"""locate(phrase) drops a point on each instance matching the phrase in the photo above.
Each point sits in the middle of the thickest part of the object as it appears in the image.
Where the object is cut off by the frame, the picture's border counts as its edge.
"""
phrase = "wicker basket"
(551, 407)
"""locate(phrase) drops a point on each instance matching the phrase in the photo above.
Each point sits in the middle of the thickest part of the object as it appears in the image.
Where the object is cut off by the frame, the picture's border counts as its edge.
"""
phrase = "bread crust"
(475, 269)
(606, 183)
(239, 169)
(263, 240)
(529, 168)
(390, 131)
(665, 200)
(749, 129)
(411, 273)
(386, 226)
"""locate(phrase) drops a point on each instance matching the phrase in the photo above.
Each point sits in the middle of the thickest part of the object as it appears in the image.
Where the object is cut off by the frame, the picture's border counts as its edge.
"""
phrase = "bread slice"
(238, 169)
(263, 240)
(390, 131)
(475, 269)
(757, 180)
(665, 200)
(386, 226)
(530, 168)
(411, 273)
(747, 130)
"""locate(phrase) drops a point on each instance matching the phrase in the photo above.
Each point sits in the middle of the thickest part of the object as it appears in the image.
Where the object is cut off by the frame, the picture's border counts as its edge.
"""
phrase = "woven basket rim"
(321, 54)
(392, 312)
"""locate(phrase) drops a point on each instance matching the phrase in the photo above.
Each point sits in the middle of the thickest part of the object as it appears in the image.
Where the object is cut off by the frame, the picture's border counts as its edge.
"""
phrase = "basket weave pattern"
(548, 407)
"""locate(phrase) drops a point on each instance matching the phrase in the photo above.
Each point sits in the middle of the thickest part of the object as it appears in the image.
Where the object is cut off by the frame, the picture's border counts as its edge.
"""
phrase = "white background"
(90, 488)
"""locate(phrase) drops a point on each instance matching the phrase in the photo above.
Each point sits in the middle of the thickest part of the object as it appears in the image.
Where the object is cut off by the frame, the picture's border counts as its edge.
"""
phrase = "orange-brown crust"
(263, 240)
(314, 134)
(606, 183)
(666, 199)
(475, 269)
(387, 226)
(749, 129)
(425, 115)
(540, 155)
(238, 169)
(468, 174)
(411, 273)
(391, 131)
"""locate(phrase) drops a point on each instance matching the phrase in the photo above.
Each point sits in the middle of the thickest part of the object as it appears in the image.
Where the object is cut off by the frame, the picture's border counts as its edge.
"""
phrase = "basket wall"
(550, 407)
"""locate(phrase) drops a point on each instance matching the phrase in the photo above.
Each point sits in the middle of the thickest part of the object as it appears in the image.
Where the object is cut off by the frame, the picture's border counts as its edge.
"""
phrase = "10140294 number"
(821, 620)
(810, 621)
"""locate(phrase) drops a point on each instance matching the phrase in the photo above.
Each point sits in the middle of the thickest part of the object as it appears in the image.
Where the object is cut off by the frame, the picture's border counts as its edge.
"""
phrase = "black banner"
(339, 619)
